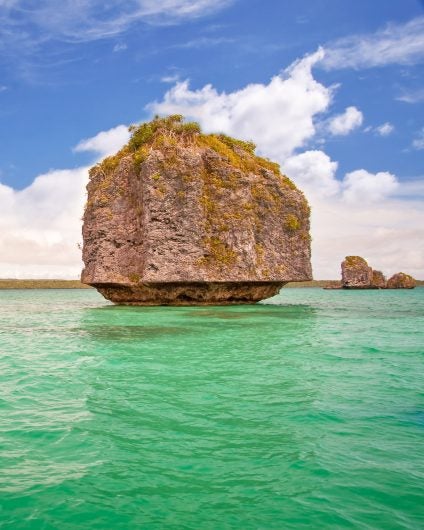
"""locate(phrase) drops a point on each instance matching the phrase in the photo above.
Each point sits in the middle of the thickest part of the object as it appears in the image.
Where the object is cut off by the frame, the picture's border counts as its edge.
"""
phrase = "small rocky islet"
(179, 217)
(357, 274)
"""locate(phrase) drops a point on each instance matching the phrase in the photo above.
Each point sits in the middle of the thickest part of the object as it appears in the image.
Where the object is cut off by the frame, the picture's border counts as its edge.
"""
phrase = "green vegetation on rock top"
(355, 260)
(173, 130)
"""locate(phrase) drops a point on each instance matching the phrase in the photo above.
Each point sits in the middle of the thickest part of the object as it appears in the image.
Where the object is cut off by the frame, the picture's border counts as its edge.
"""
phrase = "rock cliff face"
(357, 274)
(401, 281)
(180, 217)
(378, 280)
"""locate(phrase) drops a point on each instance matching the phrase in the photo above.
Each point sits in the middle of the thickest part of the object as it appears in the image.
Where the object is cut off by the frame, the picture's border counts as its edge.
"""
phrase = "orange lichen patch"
(292, 222)
(219, 253)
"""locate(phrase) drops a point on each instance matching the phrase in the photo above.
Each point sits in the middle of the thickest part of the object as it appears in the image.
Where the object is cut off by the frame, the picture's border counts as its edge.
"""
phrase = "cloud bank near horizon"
(365, 213)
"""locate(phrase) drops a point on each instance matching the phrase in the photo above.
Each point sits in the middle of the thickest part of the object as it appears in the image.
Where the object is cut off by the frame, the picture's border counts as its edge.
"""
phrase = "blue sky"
(70, 70)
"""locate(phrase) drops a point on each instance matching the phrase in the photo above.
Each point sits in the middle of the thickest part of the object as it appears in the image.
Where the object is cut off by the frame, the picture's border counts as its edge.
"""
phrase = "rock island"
(178, 217)
(357, 274)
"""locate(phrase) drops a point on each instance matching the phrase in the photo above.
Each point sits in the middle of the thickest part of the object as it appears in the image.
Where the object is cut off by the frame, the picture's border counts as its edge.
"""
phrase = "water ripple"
(302, 412)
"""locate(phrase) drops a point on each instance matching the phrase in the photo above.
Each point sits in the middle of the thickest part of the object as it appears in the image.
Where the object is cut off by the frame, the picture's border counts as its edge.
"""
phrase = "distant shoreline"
(76, 284)
(42, 284)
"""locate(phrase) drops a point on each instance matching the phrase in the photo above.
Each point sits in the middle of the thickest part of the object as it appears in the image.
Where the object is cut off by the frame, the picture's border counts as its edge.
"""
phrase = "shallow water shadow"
(130, 333)
(249, 311)
(129, 323)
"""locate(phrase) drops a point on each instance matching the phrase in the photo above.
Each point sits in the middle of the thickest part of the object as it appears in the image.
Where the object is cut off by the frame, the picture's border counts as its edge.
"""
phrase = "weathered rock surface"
(401, 281)
(179, 217)
(356, 273)
(378, 280)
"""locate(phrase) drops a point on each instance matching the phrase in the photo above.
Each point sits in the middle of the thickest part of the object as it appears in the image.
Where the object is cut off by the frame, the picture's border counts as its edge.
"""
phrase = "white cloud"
(314, 172)
(361, 186)
(94, 19)
(418, 143)
(414, 189)
(105, 143)
(40, 226)
(385, 129)
(204, 42)
(278, 116)
(412, 96)
(119, 47)
(171, 78)
(372, 215)
(343, 124)
(388, 234)
(395, 44)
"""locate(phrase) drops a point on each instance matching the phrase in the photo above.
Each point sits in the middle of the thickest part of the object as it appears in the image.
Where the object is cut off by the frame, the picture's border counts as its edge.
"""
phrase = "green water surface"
(305, 413)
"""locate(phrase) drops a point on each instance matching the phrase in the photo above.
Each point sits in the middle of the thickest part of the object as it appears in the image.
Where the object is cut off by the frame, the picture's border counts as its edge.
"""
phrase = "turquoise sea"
(306, 412)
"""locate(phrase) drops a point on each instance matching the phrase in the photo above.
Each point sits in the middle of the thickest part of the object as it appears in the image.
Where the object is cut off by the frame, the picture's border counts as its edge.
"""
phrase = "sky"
(331, 89)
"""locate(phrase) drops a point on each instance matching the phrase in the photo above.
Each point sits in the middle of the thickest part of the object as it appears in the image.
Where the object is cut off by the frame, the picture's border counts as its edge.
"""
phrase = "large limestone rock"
(180, 217)
(356, 273)
(401, 281)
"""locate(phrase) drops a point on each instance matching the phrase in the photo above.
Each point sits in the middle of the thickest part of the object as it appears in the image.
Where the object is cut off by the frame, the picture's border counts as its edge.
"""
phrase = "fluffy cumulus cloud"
(365, 213)
(396, 44)
(363, 186)
(278, 116)
(385, 129)
(346, 122)
(388, 233)
(105, 143)
(40, 226)
(313, 171)
(369, 214)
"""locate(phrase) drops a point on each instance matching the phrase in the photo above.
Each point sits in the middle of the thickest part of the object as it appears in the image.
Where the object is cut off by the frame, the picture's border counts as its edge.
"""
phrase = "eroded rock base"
(189, 293)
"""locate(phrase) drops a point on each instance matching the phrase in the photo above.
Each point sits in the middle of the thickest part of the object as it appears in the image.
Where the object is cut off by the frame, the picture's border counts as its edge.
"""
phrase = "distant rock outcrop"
(378, 280)
(401, 281)
(180, 217)
(357, 274)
